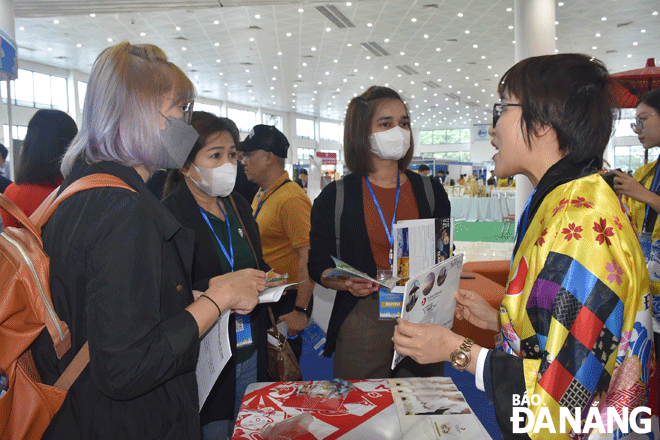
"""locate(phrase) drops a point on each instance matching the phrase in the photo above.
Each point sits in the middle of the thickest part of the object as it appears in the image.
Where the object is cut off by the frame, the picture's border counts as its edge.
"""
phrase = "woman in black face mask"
(379, 191)
(120, 262)
(201, 196)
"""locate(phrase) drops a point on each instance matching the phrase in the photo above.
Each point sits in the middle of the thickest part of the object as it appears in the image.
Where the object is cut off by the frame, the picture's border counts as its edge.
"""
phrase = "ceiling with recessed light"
(445, 56)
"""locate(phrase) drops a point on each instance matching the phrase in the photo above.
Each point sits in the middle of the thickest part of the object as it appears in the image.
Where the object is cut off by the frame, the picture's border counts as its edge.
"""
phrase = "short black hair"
(3, 152)
(423, 167)
(302, 171)
(569, 93)
(48, 135)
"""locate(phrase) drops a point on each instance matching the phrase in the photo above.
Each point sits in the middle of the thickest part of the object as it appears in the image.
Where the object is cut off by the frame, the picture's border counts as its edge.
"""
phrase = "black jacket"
(206, 265)
(119, 277)
(354, 240)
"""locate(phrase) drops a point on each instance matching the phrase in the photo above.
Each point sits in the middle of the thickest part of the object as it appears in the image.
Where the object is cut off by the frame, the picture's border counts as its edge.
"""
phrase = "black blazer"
(206, 265)
(354, 240)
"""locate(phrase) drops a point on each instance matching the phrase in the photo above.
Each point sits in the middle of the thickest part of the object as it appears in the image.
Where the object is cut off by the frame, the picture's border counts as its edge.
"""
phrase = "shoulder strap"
(48, 207)
(428, 190)
(74, 369)
(339, 208)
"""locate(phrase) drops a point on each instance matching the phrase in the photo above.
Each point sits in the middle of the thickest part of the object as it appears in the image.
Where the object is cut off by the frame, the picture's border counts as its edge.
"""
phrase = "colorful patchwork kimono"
(645, 175)
(577, 311)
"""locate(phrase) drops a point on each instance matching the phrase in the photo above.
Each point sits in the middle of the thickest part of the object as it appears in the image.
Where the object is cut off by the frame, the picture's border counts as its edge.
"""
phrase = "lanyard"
(230, 255)
(522, 225)
(259, 203)
(654, 188)
(388, 232)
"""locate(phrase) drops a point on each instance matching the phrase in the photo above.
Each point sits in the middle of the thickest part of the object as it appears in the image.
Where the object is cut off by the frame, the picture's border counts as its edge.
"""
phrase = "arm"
(296, 320)
(624, 185)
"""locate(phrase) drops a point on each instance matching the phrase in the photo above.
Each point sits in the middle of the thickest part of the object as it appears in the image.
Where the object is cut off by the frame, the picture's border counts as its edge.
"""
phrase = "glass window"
(426, 137)
(23, 93)
(18, 132)
(213, 109)
(304, 153)
(305, 128)
(41, 90)
(628, 158)
(622, 128)
(82, 91)
(465, 135)
(330, 131)
(59, 93)
(244, 119)
(274, 120)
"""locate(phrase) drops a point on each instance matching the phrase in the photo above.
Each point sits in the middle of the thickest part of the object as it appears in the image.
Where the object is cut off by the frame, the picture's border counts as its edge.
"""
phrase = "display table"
(479, 209)
(369, 413)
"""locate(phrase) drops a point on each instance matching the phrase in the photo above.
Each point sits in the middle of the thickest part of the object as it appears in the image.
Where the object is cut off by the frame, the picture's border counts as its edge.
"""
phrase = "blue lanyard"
(389, 232)
(259, 203)
(522, 225)
(230, 255)
(654, 187)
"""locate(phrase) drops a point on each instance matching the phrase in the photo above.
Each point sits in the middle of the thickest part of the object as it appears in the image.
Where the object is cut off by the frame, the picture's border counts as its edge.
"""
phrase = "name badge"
(390, 302)
(243, 331)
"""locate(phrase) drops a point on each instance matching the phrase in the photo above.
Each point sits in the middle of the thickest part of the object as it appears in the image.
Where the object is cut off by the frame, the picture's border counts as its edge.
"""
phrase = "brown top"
(407, 210)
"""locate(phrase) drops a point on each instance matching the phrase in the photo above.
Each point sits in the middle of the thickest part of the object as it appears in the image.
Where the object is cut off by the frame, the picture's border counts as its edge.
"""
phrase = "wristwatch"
(460, 359)
(300, 309)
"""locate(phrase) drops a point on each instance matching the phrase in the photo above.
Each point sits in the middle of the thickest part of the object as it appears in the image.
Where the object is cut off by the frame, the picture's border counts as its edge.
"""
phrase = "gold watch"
(460, 359)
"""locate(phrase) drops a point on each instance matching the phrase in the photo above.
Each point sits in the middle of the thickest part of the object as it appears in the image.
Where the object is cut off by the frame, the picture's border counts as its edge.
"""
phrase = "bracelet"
(214, 303)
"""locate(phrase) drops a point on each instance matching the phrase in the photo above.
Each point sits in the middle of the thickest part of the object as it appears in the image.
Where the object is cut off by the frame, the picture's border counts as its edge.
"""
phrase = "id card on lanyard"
(243, 329)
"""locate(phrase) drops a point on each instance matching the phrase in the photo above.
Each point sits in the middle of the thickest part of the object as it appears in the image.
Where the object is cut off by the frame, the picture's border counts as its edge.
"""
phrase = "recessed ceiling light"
(514, 42)
(467, 31)
(508, 9)
(655, 13)
(78, 45)
(177, 28)
(402, 53)
(635, 43)
(603, 19)
(413, 19)
(92, 15)
(437, 49)
(288, 34)
(594, 47)
(184, 48)
(143, 34)
(301, 10)
(384, 67)
(279, 53)
(556, 22)
(458, 70)
(368, 57)
(56, 21)
(449, 60)
(369, 24)
(643, 31)
(189, 64)
(483, 57)
(387, 40)
(349, 4)
(251, 38)
(560, 4)
(629, 55)
(50, 49)
(328, 29)
(109, 40)
(275, 67)
(510, 27)
(475, 46)
(21, 28)
(426, 35)
(598, 34)
(257, 16)
(218, 60)
(336, 61)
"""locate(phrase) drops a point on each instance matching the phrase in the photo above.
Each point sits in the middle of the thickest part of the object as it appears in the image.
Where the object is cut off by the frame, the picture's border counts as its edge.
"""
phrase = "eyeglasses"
(187, 108)
(248, 154)
(497, 111)
(639, 122)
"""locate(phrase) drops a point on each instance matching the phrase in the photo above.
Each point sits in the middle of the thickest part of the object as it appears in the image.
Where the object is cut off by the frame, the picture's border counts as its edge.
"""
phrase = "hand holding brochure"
(273, 294)
(429, 297)
(344, 271)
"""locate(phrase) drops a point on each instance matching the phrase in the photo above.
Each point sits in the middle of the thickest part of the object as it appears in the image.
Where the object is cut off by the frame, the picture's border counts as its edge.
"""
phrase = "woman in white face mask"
(227, 250)
(378, 148)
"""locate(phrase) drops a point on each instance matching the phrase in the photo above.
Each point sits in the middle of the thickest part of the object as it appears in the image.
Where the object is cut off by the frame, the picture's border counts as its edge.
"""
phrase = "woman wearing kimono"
(575, 320)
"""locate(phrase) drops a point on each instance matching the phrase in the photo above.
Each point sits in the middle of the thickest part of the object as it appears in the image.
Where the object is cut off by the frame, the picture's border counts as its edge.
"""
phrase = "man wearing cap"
(282, 210)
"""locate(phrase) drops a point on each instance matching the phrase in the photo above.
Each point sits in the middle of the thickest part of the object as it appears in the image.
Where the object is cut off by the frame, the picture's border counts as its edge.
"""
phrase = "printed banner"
(8, 57)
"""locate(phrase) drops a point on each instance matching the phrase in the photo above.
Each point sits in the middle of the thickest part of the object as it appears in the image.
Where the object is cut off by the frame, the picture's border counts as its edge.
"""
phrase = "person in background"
(440, 175)
(424, 170)
(302, 178)
(4, 181)
(380, 190)
(49, 133)
(282, 210)
(202, 197)
(492, 180)
(120, 262)
(642, 192)
(461, 180)
(325, 179)
(575, 320)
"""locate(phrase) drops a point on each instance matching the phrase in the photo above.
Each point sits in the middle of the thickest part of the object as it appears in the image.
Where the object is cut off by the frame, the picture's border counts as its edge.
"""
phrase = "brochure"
(344, 271)
(214, 352)
(428, 298)
(420, 244)
(273, 294)
(434, 408)
(321, 395)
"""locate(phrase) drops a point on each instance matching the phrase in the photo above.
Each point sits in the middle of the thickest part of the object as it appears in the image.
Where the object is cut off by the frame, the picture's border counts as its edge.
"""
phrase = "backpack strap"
(8, 205)
(48, 207)
(428, 190)
(74, 369)
(339, 208)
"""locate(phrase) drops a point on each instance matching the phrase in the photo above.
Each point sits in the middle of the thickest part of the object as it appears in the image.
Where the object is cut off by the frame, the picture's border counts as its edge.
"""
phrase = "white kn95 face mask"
(392, 144)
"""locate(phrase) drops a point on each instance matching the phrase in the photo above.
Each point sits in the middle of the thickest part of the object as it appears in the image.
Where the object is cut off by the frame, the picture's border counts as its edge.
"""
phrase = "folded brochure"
(343, 271)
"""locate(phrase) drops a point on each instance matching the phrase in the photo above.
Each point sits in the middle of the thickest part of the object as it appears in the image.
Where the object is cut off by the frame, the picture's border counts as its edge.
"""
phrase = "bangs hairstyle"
(207, 125)
(568, 92)
(359, 116)
(652, 99)
(120, 119)
(48, 135)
